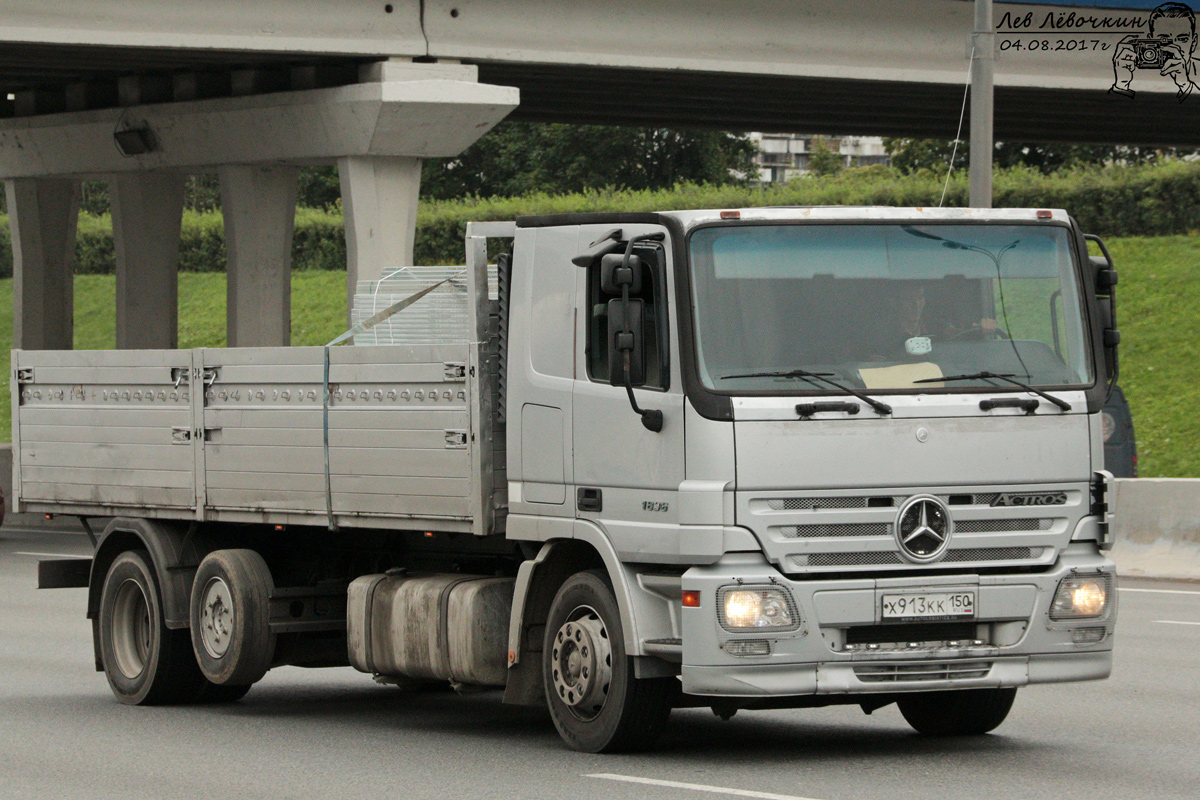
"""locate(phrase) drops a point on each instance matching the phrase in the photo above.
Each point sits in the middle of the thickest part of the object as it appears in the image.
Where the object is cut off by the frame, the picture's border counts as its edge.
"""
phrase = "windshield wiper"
(1063, 404)
(813, 377)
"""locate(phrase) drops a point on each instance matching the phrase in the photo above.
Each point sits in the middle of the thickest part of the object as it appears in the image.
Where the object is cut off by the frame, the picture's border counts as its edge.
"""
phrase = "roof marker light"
(1044, 214)
(731, 215)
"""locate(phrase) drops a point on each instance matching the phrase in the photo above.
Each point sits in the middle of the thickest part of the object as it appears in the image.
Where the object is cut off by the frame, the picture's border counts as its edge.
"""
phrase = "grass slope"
(1158, 311)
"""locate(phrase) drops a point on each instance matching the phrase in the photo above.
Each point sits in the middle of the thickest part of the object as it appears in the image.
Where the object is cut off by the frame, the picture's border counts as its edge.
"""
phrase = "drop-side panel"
(121, 432)
(399, 434)
(104, 429)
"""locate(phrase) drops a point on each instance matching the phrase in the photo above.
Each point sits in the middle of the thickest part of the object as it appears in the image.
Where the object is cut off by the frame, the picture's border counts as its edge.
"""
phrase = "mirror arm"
(652, 418)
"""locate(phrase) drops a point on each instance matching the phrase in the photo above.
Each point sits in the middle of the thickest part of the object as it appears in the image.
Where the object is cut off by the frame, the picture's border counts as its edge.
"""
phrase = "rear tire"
(597, 704)
(230, 618)
(965, 712)
(146, 663)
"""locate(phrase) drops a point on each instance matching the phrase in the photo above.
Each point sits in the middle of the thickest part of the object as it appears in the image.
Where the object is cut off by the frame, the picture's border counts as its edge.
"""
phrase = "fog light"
(1088, 635)
(748, 647)
(757, 607)
(1081, 597)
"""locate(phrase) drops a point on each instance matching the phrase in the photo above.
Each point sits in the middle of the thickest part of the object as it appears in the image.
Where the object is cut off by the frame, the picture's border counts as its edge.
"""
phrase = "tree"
(520, 157)
(825, 156)
(910, 155)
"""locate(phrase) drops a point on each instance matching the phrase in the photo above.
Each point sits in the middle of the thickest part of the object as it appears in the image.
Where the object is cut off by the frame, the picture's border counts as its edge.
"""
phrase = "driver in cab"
(912, 333)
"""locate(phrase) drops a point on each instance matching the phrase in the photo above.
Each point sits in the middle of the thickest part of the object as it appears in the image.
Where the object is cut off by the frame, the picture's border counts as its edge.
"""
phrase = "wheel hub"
(582, 663)
(216, 618)
(132, 633)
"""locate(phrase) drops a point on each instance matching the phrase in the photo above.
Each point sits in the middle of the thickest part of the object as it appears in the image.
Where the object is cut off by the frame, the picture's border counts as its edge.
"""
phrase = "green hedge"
(1111, 201)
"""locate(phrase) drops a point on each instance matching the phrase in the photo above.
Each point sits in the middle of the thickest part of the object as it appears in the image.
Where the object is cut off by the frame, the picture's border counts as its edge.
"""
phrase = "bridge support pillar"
(42, 217)
(147, 209)
(259, 206)
(379, 201)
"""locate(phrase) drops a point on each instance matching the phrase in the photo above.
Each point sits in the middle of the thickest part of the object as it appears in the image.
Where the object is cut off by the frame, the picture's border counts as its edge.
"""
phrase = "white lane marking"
(1174, 622)
(48, 555)
(1158, 591)
(697, 787)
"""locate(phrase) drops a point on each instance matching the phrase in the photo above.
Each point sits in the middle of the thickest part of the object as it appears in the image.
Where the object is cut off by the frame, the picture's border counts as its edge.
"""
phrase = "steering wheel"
(977, 333)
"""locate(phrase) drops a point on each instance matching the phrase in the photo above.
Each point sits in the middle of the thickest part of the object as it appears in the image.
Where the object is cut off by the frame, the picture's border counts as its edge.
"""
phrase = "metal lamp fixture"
(135, 141)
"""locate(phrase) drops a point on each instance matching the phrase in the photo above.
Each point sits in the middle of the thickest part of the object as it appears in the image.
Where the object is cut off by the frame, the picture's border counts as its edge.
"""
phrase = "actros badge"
(1009, 499)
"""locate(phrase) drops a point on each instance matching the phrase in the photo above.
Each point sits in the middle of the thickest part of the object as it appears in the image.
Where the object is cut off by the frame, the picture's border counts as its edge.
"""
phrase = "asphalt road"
(334, 734)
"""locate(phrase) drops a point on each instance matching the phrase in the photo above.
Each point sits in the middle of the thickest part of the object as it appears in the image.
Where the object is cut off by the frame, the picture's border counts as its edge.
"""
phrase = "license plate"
(929, 605)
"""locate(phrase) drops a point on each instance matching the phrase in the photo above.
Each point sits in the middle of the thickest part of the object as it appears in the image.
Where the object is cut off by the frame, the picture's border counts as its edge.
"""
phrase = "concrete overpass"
(252, 90)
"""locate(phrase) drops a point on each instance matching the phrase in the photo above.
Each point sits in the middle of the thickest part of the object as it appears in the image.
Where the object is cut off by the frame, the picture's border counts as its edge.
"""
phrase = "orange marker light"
(1044, 214)
(428, 534)
(731, 215)
(691, 598)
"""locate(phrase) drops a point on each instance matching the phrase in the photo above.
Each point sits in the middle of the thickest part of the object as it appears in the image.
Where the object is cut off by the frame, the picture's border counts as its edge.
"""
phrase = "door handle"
(589, 499)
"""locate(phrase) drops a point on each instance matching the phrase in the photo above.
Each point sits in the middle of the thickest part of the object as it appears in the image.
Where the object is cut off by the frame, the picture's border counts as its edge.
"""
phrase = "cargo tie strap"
(366, 324)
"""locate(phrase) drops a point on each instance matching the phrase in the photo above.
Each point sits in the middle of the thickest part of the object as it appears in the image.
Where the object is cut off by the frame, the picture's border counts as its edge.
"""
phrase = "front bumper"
(1015, 643)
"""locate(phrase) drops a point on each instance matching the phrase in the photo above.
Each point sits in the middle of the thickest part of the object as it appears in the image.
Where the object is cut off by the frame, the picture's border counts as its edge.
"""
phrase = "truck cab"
(842, 454)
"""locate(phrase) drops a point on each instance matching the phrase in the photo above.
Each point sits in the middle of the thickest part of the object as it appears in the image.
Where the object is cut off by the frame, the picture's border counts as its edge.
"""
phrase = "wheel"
(595, 701)
(146, 663)
(965, 712)
(230, 617)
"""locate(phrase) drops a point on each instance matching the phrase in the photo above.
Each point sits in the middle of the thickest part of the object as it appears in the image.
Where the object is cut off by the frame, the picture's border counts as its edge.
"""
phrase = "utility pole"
(983, 43)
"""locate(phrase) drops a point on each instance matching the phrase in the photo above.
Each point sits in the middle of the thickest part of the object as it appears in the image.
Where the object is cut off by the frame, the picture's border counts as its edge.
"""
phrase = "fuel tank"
(431, 627)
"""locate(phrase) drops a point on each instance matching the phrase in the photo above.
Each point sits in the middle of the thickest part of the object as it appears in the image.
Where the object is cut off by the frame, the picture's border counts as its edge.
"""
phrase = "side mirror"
(1105, 276)
(625, 336)
(616, 275)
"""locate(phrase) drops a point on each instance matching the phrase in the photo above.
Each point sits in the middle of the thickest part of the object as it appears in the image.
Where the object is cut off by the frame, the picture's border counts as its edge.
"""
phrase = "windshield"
(881, 306)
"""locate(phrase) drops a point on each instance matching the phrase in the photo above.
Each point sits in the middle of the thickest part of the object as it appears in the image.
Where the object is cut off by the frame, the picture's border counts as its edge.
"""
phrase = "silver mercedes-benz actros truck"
(738, 459)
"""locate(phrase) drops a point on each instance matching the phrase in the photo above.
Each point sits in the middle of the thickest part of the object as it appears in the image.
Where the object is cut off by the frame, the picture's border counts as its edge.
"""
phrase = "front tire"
(597, 704)
(965, 712)
(146, 663)
(230, 618)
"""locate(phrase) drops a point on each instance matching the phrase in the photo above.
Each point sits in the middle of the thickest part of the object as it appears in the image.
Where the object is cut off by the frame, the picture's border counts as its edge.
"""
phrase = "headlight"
(756, 608)
(1081, 597)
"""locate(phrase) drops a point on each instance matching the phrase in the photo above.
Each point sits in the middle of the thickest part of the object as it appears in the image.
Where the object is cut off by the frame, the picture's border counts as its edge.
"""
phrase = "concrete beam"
(259, 205)
(435, 111)
(379, 201)
(299, 26)
(146, 213)
(42, 217)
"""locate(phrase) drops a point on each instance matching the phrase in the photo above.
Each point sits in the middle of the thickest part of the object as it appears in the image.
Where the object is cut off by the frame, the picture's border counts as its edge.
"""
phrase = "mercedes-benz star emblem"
(923, 528)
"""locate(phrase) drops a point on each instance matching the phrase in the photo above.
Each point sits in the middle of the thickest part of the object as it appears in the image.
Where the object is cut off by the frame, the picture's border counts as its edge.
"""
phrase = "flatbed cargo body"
(237, 435)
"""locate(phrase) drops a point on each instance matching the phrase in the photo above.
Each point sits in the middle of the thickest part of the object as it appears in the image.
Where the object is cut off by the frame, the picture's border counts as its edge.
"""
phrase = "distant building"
(783, 156)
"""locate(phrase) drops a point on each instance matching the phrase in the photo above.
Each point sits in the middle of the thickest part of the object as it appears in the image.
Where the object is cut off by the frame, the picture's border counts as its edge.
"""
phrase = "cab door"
(626, 476)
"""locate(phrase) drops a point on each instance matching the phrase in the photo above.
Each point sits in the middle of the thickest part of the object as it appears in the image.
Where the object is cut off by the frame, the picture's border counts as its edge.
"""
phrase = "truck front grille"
(835, 530)
(923, 671)
(855, 530)
(880, 558)
(1002, 525)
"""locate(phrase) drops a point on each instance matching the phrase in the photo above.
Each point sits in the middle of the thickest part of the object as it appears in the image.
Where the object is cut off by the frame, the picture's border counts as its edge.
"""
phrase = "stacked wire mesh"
(441, 316)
